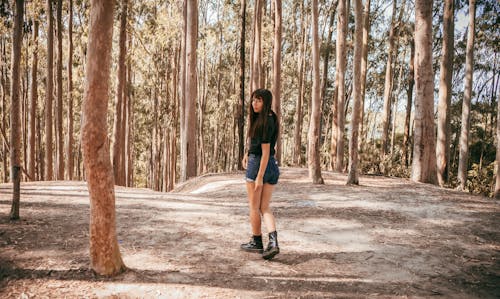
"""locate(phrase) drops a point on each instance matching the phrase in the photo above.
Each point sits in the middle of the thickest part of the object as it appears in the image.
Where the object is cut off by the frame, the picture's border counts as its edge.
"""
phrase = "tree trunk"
(49, 164)
(118, 135)
(256, 71)
(5, 91)
(445, 77)
(59, 115)
(70, 140)
(386, 116)
(314, 129)
(341, 65)
(409, 94)
(497, 184)
(34, 97)
(364, 68)
(15, 126)
(396, 102)
(105, 255)
(39, 149)
(469, 70)
(241, 113)
(297, 149)
(188, 167)
(277, 72)
(129, 129)
(353, 177)
(424, 148)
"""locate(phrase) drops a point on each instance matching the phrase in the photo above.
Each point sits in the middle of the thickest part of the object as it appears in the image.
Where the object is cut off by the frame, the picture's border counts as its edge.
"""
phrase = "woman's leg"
(254, 203)
(267, 214)
(272, 248)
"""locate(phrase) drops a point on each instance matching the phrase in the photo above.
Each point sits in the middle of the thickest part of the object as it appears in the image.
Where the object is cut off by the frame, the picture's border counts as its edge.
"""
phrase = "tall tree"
(353, 177)
(314, 129)
(70, 140)
(297, 149)
(105, 257)
(241, 113)
(497, 184)
(277, 70)
(15, 114)
(33, 104)
(49, 164)
(188, 152)
(118, 134)
(469, 70)
(59, 114)
(129, 131)
(386, 115)
(445, 77)
(256, 70)
(364, 65)
(424, 142)
(409, 100)
(340, 79)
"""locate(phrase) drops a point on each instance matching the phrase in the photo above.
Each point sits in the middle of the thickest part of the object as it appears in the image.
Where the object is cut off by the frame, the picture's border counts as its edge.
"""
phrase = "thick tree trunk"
(49, 164)
(314, 129)
(189, 159)
(118, 135)
(409, 103)
(353, 177)
(469, 70)
(424, 145)
(15, 126)
(277, 72)
(445, 77)
(386, 115)
(241, 113)
(70, 140)
(59, 115)
(33, 104)
(341, 65)
(105, 255)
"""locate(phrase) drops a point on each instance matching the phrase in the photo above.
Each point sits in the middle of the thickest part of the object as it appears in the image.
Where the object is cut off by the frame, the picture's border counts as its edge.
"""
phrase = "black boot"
(272, 248)
(255, 245)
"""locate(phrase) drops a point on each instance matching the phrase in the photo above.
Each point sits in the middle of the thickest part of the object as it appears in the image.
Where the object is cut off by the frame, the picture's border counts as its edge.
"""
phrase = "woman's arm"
(266, 150)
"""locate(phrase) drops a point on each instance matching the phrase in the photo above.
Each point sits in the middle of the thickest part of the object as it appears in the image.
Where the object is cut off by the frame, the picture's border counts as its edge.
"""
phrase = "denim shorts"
(271, 175)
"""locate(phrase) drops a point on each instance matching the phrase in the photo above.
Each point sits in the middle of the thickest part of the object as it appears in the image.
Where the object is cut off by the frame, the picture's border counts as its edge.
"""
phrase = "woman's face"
(257, 105)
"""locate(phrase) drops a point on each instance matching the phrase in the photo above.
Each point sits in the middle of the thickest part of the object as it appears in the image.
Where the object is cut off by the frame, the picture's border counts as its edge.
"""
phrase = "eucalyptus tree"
(15, 114)
(424, 144)
(105, 257)
(469, 70)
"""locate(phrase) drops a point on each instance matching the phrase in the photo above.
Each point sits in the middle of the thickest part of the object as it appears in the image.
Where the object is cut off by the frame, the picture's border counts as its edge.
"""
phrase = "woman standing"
(262, 172)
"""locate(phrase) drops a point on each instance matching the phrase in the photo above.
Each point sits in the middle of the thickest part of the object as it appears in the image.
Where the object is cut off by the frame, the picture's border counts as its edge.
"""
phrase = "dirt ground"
(387, 238)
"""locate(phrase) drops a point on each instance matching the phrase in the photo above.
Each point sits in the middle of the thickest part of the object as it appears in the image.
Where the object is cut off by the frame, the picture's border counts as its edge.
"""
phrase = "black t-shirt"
(270, 137)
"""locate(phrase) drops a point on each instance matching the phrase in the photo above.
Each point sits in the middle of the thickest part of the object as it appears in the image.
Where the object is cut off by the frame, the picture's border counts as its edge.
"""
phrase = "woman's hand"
(244, 162)
(259, 182)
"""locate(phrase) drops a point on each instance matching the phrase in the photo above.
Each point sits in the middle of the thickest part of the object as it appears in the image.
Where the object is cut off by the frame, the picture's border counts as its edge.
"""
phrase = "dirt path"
(385, 238)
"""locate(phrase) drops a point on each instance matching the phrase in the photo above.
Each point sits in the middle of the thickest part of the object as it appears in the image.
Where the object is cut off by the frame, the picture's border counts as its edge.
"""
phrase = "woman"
(262, 172)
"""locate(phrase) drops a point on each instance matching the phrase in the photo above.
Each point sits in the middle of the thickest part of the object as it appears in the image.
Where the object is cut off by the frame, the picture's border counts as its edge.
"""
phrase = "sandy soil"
(387, 238)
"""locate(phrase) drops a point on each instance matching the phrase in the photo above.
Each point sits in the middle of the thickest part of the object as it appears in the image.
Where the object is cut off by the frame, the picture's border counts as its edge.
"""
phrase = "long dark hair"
(257, 122)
